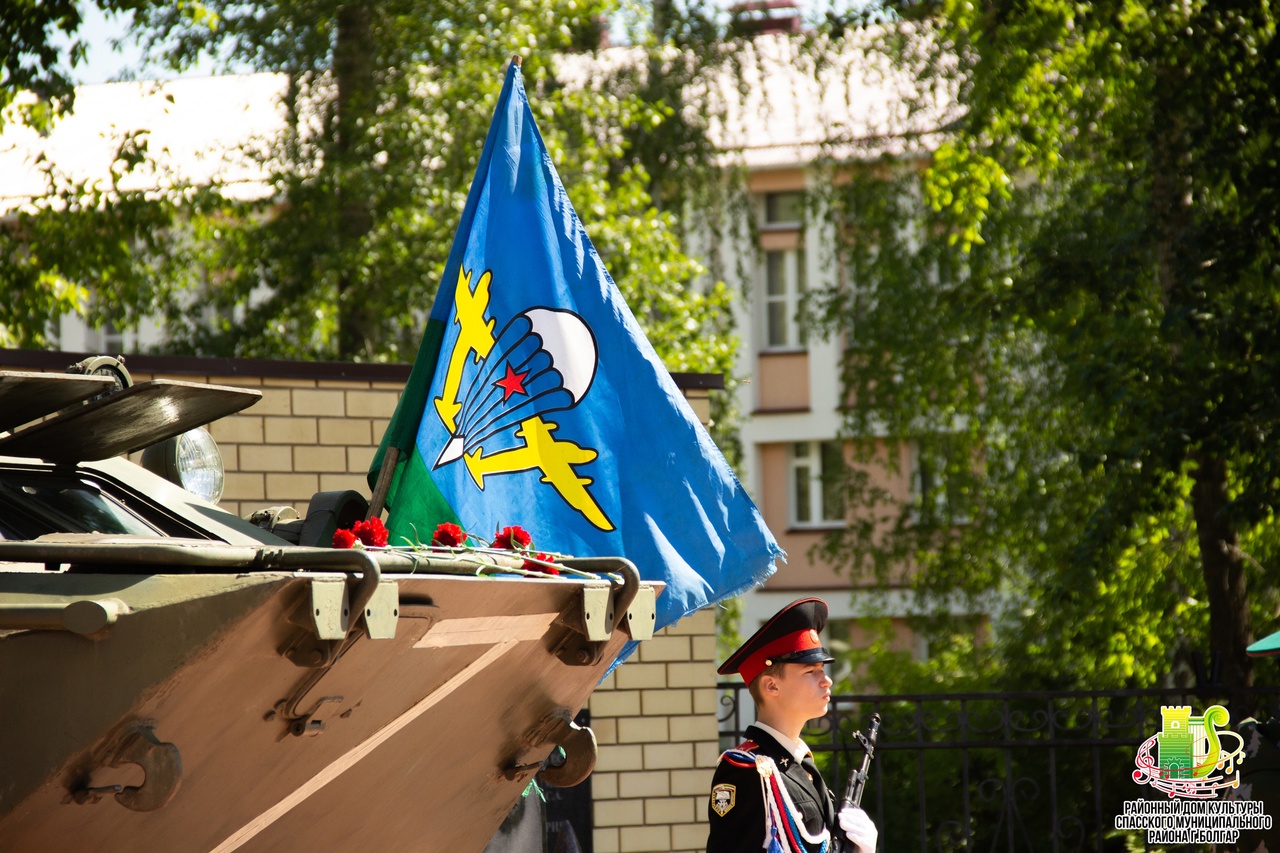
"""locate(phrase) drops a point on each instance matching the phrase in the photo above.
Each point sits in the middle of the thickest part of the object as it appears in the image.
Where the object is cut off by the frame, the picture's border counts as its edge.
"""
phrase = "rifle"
(858, 778)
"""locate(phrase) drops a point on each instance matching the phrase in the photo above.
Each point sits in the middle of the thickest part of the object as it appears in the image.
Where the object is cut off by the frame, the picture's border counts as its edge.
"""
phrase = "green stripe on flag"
(418, 501)
(402, 431)
(413, 495)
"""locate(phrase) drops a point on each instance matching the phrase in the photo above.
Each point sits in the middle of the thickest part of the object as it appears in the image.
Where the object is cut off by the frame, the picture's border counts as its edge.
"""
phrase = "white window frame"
(769, 222)
(782, 276)
(115, 341)
(782, 290)
(805, 475)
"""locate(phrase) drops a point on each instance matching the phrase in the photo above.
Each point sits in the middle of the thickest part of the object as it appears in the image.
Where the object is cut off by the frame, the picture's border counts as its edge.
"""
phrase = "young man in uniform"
(768, 790)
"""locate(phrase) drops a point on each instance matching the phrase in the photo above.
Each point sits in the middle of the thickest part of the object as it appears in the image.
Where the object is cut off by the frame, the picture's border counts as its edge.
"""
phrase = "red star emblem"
(512, 383)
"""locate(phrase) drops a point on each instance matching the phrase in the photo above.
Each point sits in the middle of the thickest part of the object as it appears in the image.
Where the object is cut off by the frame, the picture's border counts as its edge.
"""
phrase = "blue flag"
(536, 400)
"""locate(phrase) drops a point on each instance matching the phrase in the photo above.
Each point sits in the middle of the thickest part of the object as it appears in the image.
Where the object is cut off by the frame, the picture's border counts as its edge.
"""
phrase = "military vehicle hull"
(236, 711)
(175, 678)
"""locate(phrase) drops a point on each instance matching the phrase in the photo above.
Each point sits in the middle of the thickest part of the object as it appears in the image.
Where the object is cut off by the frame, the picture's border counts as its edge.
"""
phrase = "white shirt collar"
(795, 747)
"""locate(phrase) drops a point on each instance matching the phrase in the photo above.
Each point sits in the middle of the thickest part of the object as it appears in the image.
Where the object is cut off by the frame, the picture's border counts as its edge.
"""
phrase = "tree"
(387, 106)
(39, 50)
(41, 275)
(1078, 327)
(84, 248)
(386, 109)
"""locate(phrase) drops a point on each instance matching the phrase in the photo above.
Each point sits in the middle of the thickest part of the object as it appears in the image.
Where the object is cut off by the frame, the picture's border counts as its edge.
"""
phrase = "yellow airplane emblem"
(540, 451)
(555, 459)
(475, 339)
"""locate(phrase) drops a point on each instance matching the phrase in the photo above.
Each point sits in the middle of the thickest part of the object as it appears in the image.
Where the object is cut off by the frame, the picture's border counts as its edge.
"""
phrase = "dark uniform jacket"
(736, 810)
(1259, 780)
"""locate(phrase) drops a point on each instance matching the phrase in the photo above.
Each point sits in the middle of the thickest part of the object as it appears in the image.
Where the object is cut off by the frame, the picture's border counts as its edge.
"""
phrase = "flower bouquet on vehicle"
(450, 540)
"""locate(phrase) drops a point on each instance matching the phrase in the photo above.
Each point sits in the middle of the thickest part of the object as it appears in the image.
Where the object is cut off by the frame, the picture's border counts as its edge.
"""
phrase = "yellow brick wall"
(305, 436)
(655, 720)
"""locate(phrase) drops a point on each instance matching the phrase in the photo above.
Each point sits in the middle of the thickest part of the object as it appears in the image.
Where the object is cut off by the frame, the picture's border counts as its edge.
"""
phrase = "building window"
(784, 209)
(784, 289)
(931, 487)
(837, 637)
(817, 496)
(113, 340)
(782, 274)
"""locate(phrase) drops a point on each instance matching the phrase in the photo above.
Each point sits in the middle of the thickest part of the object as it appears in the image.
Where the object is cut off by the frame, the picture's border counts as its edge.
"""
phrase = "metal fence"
(1029, 771)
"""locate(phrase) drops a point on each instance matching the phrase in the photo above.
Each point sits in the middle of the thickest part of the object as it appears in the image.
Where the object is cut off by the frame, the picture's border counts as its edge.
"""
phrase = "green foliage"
(387, 108)
(1072, 312)
(39, 48)
(343, 259)
(54, 250)
(728, 620)
(91, 248)
(30, 59)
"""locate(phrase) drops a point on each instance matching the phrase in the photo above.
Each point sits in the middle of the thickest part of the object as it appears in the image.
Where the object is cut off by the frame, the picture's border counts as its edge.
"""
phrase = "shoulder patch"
(739, 759)
(723, 799)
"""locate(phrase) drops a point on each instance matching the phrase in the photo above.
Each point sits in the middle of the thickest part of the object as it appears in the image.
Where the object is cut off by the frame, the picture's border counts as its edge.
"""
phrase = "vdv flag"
(536, 400)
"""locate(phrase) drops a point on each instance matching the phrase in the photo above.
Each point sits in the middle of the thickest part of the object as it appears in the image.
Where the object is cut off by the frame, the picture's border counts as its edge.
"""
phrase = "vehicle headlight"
(191, 460)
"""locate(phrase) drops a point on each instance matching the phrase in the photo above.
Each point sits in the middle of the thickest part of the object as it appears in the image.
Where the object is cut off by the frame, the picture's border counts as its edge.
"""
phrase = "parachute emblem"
(543, 361)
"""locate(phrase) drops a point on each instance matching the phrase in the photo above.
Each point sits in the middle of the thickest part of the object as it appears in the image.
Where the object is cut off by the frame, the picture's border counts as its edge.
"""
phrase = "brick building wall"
(304, 436)
(655, 720)
(316, 429)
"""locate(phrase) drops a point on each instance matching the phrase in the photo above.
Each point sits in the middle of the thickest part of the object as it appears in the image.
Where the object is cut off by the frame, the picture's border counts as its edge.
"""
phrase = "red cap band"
(798, 641)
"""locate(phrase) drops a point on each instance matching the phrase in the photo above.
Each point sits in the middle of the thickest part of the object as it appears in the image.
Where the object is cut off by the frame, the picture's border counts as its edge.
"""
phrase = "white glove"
(859, 829)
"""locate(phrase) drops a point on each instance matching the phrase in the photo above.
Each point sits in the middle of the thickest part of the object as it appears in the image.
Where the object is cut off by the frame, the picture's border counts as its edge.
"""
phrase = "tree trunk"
(1221, 560)
(655, 90)
(353, 71)
(1224, 579)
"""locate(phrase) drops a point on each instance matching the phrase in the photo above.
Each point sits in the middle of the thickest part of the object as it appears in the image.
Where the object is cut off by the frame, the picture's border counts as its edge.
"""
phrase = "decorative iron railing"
(1028, 771)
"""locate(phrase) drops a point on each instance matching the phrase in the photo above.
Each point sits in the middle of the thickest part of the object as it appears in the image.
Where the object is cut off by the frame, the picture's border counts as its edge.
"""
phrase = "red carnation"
(344, 539)
(530, 566)
(373, 533)
(449, 535)
(512, 538)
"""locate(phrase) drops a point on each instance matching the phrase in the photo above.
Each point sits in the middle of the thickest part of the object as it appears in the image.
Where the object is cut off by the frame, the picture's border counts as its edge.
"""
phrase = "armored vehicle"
(175, 678)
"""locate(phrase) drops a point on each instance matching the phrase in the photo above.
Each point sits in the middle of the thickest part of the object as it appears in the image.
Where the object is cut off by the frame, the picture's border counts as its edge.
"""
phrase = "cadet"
(768, 788)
